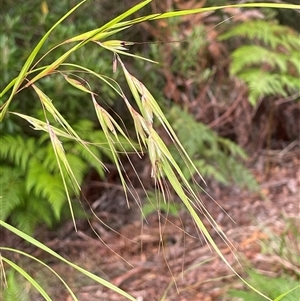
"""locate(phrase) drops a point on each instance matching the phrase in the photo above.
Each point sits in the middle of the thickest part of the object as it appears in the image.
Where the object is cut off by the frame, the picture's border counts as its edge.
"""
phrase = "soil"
(163, 256)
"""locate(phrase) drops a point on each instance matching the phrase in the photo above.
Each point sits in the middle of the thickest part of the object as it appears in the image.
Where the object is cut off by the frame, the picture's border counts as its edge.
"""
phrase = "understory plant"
(57, 133)
(27, 159)
(285, 286)
(270, 65)
(31, 187)
(16, 288)
(280, 250)
(217, 157)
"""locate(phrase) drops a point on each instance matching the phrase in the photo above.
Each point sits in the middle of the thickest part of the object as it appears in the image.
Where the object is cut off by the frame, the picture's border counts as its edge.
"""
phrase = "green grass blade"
(54, 254)
(92, 35)
(44, 264)
(172, 14)
(286, 293)
(96, 36)
(129, 12)
(30, 59)
(8, 87)
(177, 186)
(106, 79)
(206, 9)
(28, 278)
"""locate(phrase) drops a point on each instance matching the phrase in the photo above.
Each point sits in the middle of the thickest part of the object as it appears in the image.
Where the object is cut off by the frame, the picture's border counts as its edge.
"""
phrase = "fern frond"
(294, 60)
(262, 84)
(42, 209)
(89, 158)
(214, 156)
(210, 171)
(270, 34)
(48, 186)
(31, 189)
(249, 55)
(17, 150)
(16, 290)
(291, 83)
(26, 220)
(11, 190)
(234, 150)
(78, 166)
(240, 175)
(271, 67)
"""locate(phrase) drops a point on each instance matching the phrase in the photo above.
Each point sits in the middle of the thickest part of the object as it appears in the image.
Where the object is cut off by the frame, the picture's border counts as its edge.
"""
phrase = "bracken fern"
(270, 66)
(216, 157)
(31, 187)
(16, 288)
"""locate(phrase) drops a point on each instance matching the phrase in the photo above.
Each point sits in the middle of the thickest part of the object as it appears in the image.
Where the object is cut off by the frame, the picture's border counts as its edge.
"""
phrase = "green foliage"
(31, 185)
(189, 57)
(37, 163)
(270, 65)
(187, 60)
(22, 26)
(284, 244)
(214, 156)
(286, 247)
(272, 287)
(16, 289)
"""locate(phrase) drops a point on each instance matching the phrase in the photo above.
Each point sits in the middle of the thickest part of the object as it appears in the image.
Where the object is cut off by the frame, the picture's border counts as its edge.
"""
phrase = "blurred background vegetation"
(230, 91)
(227, 81)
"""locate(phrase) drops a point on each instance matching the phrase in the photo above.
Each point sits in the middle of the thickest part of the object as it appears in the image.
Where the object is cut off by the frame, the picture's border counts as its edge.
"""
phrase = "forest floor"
(164, 257)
